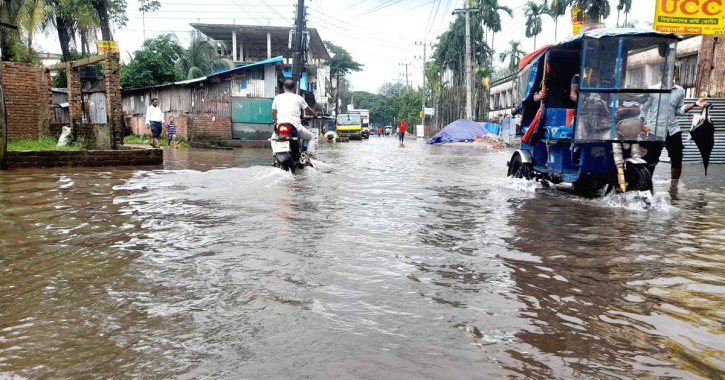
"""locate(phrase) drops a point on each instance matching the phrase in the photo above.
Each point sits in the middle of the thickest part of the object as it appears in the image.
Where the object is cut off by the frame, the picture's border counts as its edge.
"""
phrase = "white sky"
(381, 34)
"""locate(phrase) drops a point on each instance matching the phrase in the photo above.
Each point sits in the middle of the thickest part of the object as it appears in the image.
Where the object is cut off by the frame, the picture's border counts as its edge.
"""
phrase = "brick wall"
(27, 99)
(48, 159)
(137, 126)
(209, 128)
(188, 128)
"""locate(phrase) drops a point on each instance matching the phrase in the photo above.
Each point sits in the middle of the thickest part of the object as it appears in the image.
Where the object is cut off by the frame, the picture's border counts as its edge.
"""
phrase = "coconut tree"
(626, 6)
(557, 9)
(534, 19)
(491, 14)
(596, 10)
(202, 57)
(513, 55)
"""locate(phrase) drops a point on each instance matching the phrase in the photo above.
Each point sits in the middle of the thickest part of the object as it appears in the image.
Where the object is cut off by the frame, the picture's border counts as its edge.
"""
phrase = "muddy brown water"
(423, 262)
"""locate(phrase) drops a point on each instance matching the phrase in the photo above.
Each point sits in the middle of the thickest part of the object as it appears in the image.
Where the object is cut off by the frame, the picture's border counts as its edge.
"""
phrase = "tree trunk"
(493, 52)
(626, 15)
(534, 41)
(65, 38)
(618, 13)
(556, 28)
(102, 9)
(5, 46)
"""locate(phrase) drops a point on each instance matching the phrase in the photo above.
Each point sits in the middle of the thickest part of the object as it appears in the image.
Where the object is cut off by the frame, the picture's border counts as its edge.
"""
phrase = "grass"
(43, 143)
(144, 140)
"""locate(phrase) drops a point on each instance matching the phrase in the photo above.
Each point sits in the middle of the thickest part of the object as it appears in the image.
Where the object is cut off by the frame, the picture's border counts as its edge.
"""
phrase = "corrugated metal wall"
(174, 100)
(717, 114)
(211, 96)
(94, 104)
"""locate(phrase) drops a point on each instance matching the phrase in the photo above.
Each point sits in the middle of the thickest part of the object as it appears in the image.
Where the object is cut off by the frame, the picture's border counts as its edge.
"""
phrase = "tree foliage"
(341, 63)
(450, 51)
(202, 57)
(154, 64)
(534, 19)
(513, 55)
(595, 9)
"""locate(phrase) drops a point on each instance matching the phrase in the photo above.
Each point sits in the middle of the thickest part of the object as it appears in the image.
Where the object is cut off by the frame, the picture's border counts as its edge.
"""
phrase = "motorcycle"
(289, 151)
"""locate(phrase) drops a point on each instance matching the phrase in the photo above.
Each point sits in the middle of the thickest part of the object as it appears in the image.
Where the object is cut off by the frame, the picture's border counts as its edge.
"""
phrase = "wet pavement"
(423, 262)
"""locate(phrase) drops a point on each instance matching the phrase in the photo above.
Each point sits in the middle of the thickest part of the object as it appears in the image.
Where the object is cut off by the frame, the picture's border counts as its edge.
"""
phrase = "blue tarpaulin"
(464, 131)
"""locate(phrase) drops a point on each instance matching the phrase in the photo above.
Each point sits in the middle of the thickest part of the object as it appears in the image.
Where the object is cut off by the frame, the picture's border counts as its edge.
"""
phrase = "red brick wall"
(139, 128)
(57, 158)
(26, 99)
(209, 128)
(189, 127)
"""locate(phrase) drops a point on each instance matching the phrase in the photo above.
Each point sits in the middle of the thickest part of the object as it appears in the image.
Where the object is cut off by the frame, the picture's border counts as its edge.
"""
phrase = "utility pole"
(422, 106)
(297, 44)
(469, 68)
(407, 82)
(337, 96)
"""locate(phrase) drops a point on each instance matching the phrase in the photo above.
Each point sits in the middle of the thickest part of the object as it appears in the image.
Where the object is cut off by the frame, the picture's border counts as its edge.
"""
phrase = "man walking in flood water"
(401, 132)
(155, 120)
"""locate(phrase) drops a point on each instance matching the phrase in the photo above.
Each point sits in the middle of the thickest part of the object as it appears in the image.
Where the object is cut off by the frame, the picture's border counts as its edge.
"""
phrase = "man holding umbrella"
(672, 106)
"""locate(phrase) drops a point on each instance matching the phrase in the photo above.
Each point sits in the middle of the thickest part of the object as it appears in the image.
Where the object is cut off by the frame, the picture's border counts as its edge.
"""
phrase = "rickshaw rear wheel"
(638, 178)
(519, 169)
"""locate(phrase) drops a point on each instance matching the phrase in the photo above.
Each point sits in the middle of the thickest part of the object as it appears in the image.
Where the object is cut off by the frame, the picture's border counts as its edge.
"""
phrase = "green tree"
(451, 48)
(557, 9)
(491, 15)
(596, 10)
(514, 55)
(341, 63)
(154, 64)
(534, 19)
(202, 57)
(409, 107)
(626, 6)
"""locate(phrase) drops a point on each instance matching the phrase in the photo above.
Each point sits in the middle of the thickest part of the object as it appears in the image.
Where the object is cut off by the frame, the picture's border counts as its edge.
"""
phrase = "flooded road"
(424, 262)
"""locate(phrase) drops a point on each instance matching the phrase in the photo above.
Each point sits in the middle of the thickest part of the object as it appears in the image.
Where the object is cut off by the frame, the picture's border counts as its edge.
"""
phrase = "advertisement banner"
(690, 16)
(578, 18)
(107, 47)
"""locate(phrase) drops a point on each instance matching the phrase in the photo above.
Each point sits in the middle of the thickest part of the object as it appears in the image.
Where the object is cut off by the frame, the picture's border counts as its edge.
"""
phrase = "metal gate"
(691, 153)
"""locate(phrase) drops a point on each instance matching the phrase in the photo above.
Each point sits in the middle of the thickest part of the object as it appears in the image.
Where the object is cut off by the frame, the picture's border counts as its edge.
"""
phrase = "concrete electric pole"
(297, 44)
(469, 68)
(422, 106)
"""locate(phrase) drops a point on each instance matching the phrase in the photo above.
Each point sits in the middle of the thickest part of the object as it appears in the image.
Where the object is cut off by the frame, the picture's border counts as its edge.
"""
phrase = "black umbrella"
(704, 135)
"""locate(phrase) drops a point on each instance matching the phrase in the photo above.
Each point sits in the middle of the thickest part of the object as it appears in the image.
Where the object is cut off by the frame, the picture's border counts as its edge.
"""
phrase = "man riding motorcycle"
(287, 108)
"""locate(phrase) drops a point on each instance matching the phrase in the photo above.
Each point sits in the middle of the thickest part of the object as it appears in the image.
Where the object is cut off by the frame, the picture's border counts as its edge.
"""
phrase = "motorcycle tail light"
(284, 131)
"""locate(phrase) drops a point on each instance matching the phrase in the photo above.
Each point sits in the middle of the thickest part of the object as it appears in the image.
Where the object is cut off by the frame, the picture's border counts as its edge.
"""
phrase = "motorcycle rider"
(287, 108)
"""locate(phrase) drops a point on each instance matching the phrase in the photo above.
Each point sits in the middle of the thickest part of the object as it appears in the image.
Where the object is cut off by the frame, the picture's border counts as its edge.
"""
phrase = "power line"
(430, 16)
(387, 36)
(371, 40)
(354, 5)
(434, 17)
(381, 6)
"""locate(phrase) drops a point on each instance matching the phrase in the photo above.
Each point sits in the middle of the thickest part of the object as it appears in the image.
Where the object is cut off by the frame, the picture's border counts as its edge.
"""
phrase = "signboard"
(429, 111)
(690, 16)
(578, 18)
(588, 27)
(107, 47)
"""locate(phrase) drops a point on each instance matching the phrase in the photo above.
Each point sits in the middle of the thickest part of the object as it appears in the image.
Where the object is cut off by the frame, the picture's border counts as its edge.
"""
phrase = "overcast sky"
(381, 34)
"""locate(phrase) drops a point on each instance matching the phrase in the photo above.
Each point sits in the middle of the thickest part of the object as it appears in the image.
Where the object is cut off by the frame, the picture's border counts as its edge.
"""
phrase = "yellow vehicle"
(349, 125)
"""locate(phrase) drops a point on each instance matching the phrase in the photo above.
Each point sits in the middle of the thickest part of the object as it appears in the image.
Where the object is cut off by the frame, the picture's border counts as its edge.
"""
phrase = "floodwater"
(380, 263)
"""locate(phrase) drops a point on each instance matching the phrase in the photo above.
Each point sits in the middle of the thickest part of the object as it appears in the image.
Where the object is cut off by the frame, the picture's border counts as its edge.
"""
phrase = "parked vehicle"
(365, 132)
(388, 130)
(349, 125)
(598, 138)
(289, 151)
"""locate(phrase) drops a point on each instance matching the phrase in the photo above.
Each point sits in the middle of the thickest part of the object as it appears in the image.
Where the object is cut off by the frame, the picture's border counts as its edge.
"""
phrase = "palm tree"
(557, 9)
(202, 57)
(596, 10)
(625, 5)
(491, 14)
(534, 13)
(514, 55)
(33, 18)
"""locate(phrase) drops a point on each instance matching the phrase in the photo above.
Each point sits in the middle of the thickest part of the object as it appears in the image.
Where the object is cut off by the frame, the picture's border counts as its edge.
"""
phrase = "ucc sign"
(690, 16)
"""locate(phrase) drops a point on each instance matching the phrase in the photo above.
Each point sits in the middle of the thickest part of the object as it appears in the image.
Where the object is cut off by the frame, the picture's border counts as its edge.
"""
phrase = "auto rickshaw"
(598, 138)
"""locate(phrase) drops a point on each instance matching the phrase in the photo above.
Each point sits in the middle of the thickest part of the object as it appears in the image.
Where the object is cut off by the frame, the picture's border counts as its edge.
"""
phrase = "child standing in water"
(171, 131)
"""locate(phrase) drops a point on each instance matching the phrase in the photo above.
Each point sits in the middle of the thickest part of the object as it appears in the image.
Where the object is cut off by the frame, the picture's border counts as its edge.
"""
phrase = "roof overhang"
(257, 35)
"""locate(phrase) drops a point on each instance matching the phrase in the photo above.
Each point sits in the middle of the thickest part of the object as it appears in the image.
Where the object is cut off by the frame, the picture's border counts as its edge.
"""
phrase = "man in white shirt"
(288, 107)
(155, 120)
